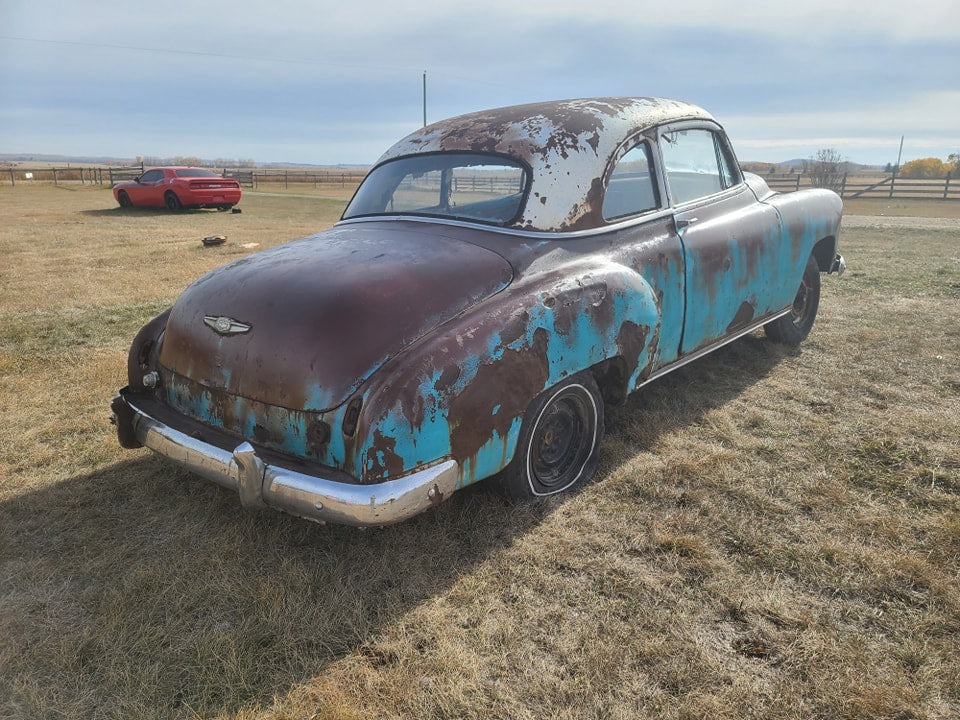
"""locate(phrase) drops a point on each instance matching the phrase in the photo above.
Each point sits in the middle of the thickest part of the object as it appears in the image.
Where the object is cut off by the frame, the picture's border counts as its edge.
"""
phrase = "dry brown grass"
(774, 534)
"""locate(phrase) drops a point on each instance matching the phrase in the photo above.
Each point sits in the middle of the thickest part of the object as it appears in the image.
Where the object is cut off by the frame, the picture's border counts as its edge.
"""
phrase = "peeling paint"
(380, 347)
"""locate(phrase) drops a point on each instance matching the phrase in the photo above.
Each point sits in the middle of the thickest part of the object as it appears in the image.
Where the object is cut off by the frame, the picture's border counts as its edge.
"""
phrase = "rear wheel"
(794, 327)
(559, 441)
(172, 201)
(124, 199)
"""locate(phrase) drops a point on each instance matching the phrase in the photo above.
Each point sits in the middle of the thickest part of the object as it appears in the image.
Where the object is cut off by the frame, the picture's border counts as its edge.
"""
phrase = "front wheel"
(124, 199)
(794, 327)
(172, 201)
(559, 441)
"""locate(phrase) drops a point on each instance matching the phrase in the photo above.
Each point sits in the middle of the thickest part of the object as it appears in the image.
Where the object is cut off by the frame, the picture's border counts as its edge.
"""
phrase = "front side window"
(630, 190)
(696, 164)
(151, 176)
(460, 186)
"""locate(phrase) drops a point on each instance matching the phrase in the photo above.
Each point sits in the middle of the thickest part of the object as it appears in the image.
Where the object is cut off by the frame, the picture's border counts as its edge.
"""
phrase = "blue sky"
(338, 82)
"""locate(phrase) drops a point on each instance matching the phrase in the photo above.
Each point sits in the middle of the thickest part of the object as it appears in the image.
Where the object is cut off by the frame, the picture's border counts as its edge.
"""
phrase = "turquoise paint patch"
(492, 457)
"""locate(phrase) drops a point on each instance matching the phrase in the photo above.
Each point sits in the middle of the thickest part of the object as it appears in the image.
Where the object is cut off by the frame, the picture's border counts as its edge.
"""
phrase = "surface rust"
(567, 144)
(444, 335)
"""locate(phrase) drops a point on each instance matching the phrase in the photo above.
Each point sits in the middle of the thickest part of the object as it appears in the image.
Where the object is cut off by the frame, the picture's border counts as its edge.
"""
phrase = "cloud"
(345, 77)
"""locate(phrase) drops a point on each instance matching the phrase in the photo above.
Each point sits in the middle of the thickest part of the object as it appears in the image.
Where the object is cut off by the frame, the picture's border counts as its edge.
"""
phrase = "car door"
(648, 242)
(730, 240)
(149, 189)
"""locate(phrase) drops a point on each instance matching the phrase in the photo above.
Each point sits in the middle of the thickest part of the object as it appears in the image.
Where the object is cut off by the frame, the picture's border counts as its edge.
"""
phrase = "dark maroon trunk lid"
(323, 312)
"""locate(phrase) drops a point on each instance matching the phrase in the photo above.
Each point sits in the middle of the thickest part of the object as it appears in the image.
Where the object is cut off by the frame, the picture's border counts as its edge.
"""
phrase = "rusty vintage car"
(496, 279)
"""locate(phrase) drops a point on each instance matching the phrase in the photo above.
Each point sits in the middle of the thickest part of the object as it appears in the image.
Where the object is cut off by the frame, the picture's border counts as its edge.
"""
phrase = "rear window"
(462, 186)
(196, 172)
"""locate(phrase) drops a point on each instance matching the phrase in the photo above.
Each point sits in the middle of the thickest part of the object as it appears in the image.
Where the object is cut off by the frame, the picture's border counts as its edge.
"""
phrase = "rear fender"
(462, 391)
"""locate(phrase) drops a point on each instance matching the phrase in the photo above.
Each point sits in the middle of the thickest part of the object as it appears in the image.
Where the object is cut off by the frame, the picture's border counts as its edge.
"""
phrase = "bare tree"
(826, 169)
(954, 159)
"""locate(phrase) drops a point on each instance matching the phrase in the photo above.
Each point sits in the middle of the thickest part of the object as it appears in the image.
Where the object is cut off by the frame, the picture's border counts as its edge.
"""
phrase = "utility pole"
(899, 156)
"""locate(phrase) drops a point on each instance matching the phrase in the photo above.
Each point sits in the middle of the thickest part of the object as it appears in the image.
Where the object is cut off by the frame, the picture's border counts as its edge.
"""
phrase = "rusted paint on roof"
(567, 144)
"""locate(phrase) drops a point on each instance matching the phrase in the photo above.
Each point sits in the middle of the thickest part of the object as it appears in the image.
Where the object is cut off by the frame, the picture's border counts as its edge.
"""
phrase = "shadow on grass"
(118, 211)
(143, 589)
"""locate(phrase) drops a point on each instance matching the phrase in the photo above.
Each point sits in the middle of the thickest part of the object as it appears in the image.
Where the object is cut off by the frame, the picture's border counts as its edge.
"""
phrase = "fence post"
(893, 181)
(946, 187)
(286, 180)
(798, 181)
(13, 182)
(843, 185)
(55, 177)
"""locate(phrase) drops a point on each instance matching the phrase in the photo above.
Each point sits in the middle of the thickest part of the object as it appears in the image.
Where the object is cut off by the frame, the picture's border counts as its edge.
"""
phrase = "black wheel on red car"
(794, 327)
(559, 441)
(171, 200)
(124, 199)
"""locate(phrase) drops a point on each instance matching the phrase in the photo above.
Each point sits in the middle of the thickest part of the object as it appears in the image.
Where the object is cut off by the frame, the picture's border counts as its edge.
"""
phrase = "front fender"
(811, 224)
(462, 392)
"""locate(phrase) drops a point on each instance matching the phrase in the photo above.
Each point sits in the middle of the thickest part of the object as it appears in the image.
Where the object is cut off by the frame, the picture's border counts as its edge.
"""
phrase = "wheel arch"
(824, 252)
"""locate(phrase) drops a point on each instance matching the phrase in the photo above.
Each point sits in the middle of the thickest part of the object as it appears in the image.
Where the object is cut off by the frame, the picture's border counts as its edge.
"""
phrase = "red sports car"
(179, 187)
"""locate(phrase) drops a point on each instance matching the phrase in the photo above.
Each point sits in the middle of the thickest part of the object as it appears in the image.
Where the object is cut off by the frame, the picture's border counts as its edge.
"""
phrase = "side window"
(152, 176)
(696, 164)
(631, 189)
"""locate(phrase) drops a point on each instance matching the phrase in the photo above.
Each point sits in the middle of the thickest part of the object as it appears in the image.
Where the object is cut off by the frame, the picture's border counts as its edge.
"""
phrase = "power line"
(207, 53)
(255, 58)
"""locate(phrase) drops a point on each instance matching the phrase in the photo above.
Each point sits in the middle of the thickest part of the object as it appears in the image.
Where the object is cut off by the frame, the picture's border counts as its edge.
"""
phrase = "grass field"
(774, 533)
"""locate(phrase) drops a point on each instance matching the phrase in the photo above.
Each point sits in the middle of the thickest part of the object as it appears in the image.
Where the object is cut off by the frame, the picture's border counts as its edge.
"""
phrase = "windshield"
(462, 186)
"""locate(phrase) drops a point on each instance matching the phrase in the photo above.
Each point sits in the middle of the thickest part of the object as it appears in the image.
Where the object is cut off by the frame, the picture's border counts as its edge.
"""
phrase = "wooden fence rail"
(20, 175)
(850, 185)
(875, 186)
(82, 175)
(254, 178)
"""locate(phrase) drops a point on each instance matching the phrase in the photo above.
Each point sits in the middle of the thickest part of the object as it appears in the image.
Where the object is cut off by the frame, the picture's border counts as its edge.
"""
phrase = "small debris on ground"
(247, 246)
(211, 240)
(236, 211)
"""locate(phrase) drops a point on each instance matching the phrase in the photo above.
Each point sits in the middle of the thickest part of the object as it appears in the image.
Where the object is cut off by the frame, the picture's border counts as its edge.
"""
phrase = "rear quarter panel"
(462, 392)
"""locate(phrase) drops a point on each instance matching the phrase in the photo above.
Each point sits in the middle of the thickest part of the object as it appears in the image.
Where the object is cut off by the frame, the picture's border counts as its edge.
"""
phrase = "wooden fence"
(82, 175)
(297, 178)
(888, 186)
(850, 185)
(20, 175)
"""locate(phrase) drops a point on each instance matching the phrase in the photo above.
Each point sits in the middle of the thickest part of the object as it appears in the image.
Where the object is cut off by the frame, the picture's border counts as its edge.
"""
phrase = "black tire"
(793, 328)
(124, 199)
(172, 201)
(223, 208)
(559, 441)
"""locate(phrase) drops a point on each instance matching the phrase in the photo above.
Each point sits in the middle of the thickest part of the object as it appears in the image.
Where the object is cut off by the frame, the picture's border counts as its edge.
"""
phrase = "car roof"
(567, 144)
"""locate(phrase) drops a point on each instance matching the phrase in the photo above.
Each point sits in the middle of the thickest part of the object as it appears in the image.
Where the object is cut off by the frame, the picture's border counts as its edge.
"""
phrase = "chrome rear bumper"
(260, 484)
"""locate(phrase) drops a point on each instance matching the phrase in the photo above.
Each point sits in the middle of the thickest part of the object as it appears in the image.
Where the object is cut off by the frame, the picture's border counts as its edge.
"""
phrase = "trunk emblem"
(225, 325)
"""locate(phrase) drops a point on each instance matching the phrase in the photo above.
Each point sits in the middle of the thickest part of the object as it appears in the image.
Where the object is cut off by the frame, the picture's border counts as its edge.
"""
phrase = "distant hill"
(796, 165)
(27, 158)
(11, 158)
